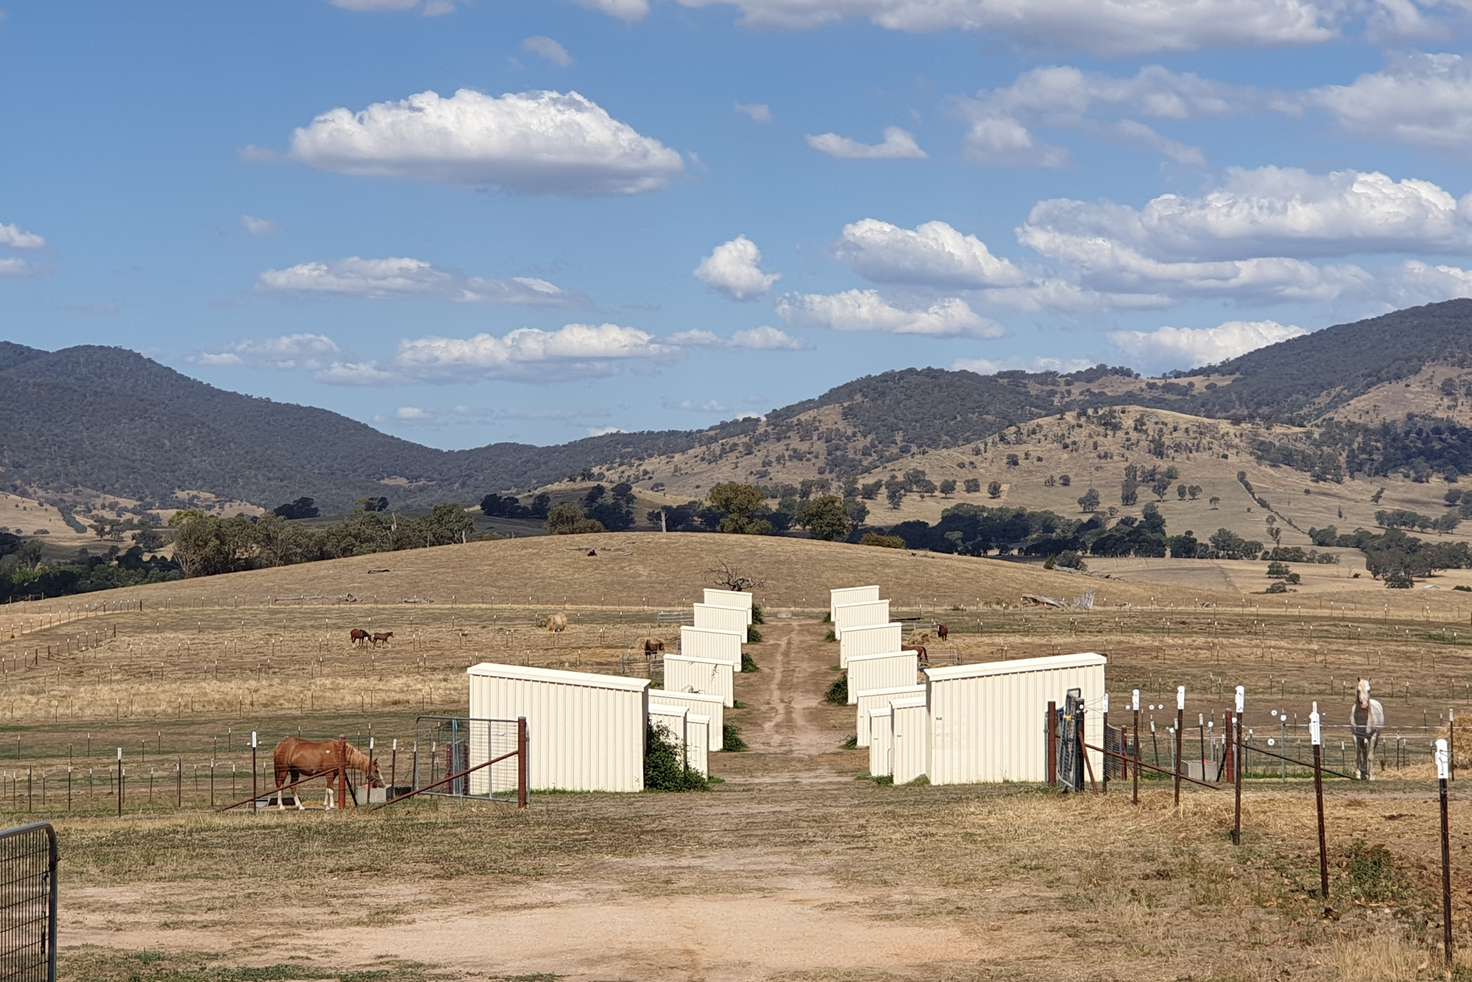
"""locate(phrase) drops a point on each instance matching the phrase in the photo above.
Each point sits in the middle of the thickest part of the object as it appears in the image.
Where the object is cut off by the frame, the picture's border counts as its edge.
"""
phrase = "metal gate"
(1070, 743)
(447, 747)
(28, 860)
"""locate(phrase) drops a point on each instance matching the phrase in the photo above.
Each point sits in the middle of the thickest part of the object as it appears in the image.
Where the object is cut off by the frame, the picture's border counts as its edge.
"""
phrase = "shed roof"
(1047, 663)
(526, 674)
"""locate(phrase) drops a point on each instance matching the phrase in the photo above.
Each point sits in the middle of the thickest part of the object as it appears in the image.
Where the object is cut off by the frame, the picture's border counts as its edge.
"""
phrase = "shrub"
(731, 738)
(1293, 578)
(852, 743)
(1277, 570)
(753, 635)
(664, 764)
(837, 693)
(748, 664)
(1398, 579)
(882, 541)
(830, 636)
(1071, 560)
(1278, 587)
(1372, 873)
(758, 616)
(1462, 587)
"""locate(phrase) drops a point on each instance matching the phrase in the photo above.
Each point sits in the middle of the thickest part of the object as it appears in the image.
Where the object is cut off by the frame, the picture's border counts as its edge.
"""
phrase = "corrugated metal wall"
(583, 734)
(683, 674)
(713, 645)
(697, 702)
(697, 742)
(991, 727)
(875, 699)
(880, 672)
(849, 595)
(721, 618)
(879, 639)
(881, 741)
(730, 598)
(869, 613)
(911, 751)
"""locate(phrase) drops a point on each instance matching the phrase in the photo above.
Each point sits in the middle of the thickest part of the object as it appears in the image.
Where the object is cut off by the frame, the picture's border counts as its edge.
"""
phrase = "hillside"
(1383, 396)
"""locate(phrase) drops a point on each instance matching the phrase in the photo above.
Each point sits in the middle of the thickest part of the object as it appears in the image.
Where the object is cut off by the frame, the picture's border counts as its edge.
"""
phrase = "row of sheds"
(587, 732)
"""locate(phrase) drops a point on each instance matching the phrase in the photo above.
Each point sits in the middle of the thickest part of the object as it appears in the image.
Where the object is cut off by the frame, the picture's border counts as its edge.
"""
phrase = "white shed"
(721, 618)
(712, 645)
(697, 742)
(873, 640)
(712, 706)
(585, 732)
(880, 672)
(730, 598)
(872, 699)
(911, 731)
(682, 674)
(849, 595)
(868, 613)
(881, 742)
(987, 721)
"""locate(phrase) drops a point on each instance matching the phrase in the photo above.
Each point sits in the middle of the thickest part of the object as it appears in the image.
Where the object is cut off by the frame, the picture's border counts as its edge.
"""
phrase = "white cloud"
(1059, 295)
(354, 373)
(1186, 347)
(411, 414)
(604, 430)
(628, 11)
(1134, 131)
(1000, 140)
(1424, 100)
(403, 276)
(257, 226)
(12, 267)
(931, 254)
(988, 366)
(15, 237)
(310, 351)
(734, 268)
(547, 49)
(1418, 282)
(898, 144)
(867, 310)
(762, 338)
(1111, 27)
(534, 142)
(570, 351)
(759, 112)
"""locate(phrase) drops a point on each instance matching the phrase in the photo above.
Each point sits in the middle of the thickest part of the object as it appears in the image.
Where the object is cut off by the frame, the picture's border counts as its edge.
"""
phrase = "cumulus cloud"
(758, 112)
(533, 142)
(931, 254)
(15, 237)
(13, 267)
(1058, 295)
(403, 276)
(1186, 347)
(1423, 100)
(867, 310)
(1419, 282)
(628, 11)
(1111, 27)
(570, 351)
(734, 268)
(257, 226)
(354, 373)
(898, 144)
(309, 351)
(762, 338)
(1000, 140)
(988, 366)
(547, 49)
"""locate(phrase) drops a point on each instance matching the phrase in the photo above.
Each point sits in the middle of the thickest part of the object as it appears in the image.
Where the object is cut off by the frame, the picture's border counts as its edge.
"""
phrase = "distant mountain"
(112, 421)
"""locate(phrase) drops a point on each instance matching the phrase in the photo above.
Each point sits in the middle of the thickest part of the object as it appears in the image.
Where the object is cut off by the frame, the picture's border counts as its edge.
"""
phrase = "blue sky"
(466, 222)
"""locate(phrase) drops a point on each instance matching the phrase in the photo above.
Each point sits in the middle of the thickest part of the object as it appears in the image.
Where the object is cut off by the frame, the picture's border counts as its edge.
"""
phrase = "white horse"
(1366, 721)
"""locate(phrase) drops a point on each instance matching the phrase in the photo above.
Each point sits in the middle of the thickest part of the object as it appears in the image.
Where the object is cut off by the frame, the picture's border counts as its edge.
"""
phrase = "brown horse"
(295, 758)
(942, 631)
(381, 638)
(652, 647)
(358, 635)
(922, 657)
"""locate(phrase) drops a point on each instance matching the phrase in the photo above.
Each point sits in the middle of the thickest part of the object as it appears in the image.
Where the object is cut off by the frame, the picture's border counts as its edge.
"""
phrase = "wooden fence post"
(523, 765)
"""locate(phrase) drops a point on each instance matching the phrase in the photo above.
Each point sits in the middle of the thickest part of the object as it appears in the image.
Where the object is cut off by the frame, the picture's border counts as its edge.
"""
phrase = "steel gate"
(28, 861)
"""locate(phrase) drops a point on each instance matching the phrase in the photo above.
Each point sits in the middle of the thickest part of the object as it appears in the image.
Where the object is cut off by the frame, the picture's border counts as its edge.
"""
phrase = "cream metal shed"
(697, 742)
(881, 741)
(682, 674)
(698, 702)
(730, 598)
(868, 613)
(712, 645)
(849, 595)
(911, 734)
(876, 639)
(721, 618)
(585, 732)
(880, 672)
(987, 721)
(873, 699)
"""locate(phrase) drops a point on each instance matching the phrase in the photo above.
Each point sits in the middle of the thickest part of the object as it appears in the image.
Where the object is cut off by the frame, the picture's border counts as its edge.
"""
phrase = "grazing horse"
(358, 635)
(557, 623)
(942, 631)
(295, 758)
(652, 647)
(922, 656)
(378, 639)
(1366, 721)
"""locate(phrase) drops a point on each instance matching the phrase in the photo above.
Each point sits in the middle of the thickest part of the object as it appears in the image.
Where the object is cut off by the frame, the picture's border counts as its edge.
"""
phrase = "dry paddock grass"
(793, 868)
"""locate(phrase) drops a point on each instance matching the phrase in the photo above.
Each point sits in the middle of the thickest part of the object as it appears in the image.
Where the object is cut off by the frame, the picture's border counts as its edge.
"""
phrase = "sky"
(468, 221)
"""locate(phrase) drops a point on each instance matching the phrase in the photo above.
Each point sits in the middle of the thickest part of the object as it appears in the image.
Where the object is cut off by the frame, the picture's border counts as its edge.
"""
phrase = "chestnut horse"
(295, 758)
(942, 631)
(358, 635)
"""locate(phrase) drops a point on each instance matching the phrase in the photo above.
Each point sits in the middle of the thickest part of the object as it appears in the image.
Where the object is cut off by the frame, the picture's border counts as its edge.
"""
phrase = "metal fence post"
(1135, 771)
(254, 788)
(1180, 735)
(523, 769)
(1443, 774)
(1050, 726)
(1241, 765)
(120, 782)
(1105, 743)
(1315, 735)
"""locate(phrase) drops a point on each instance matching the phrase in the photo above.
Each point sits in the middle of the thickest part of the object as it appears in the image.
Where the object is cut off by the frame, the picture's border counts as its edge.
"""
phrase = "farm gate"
(470, 759)
(28, 864)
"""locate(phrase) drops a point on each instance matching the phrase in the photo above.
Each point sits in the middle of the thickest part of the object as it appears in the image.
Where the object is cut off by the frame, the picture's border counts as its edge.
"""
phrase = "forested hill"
(110, 420)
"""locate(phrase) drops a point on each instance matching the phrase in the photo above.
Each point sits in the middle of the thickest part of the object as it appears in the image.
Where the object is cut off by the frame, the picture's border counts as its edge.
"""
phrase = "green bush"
(852, 743)
(748, 664)
(1278, 587)
(753, 635)
(731, 738)
(758, 616)
(1277, 570)
(1372, 873)
(837, 693)
(664, 765)
(830, 636)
